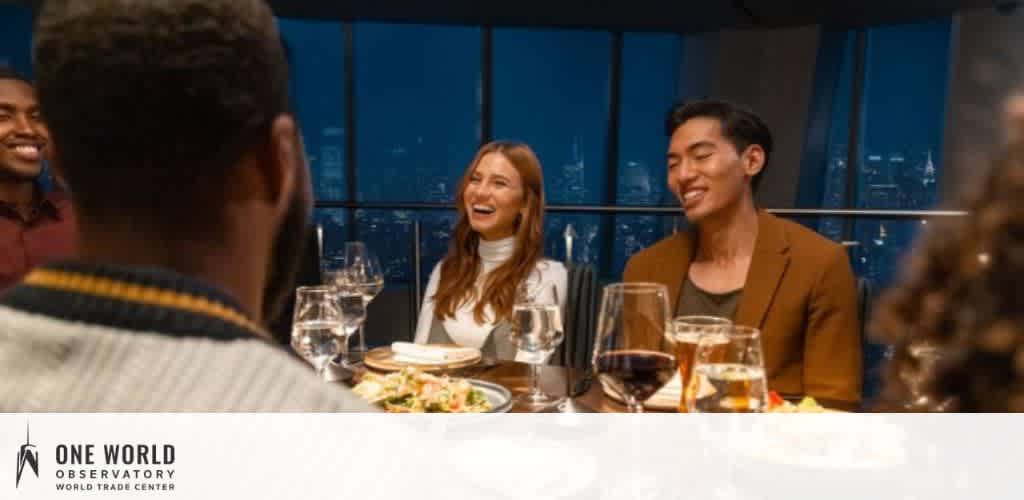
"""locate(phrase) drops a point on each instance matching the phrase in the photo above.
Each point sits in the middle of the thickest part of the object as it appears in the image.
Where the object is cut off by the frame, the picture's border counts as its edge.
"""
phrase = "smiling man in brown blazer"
(747, 265)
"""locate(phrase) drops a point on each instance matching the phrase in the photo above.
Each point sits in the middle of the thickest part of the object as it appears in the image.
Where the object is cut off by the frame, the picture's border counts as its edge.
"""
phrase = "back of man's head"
(152, 103)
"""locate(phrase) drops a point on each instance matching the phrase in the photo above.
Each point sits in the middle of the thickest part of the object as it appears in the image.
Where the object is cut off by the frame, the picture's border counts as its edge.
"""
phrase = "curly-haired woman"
(956, 317)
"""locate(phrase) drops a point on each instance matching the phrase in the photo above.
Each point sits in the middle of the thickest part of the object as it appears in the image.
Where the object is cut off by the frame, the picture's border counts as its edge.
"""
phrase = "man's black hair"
(8, 73)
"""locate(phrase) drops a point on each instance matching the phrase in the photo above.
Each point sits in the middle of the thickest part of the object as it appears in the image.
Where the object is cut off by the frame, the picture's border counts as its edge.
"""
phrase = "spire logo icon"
(27, 455)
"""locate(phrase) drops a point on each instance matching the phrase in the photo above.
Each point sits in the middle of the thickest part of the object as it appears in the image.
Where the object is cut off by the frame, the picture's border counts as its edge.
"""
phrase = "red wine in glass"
(635, 374)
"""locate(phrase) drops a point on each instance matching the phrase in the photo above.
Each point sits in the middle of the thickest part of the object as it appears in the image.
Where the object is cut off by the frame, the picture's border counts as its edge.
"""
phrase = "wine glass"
(536, 332)
(363, 274)
(631, 357)
(728, 373)
(317, 333)
(927, 356)
(684, 336)
(352, 304)
(364, 269)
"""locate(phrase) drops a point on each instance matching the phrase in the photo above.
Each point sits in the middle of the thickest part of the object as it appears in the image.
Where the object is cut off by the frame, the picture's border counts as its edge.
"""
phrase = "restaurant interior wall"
(989, 66)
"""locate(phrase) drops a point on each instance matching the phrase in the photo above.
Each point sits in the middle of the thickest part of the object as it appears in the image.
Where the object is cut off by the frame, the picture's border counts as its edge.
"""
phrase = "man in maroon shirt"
(34, 227)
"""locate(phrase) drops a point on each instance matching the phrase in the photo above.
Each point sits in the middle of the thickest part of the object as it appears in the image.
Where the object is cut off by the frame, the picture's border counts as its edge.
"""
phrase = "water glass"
(317, 327)
(537, 331)
(728, 373)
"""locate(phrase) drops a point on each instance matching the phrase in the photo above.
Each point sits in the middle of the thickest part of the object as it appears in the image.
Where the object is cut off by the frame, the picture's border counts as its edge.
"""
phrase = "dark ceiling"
(645, 15)
(642, 15)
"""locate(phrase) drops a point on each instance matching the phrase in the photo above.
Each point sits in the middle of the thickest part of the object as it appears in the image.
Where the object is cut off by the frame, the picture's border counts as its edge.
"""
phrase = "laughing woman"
(498, 245)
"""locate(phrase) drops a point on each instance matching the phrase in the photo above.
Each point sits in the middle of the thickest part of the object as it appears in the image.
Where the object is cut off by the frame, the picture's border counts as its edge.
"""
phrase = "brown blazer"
(800, 292)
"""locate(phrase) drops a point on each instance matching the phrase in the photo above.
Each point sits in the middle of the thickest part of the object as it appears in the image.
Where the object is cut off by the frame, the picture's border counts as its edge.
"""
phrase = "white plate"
(382, 359)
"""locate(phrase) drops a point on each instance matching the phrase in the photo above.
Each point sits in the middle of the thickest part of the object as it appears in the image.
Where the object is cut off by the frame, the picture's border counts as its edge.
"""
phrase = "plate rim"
(505, 393)
(372, 364)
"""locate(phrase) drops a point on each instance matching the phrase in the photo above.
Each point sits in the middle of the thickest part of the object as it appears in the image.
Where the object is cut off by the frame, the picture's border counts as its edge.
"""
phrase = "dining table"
(514, 376)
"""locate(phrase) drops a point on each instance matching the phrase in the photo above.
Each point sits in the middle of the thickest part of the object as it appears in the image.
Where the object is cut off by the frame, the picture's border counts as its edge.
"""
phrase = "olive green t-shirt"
(696, 302)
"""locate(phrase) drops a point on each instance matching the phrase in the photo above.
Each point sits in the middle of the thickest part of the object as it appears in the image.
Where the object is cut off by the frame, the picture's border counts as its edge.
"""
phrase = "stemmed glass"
(916, 378)
(728, 373)
(631, 356)
(366, 276)
(352, 303)
(317, 333)
(537, 331)
(359, 272)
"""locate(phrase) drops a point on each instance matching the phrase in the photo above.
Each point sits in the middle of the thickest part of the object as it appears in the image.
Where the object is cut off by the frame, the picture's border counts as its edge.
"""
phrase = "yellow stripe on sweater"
(131, 292)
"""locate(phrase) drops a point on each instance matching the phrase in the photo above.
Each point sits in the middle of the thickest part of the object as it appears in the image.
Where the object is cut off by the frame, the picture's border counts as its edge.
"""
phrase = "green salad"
(412, 391)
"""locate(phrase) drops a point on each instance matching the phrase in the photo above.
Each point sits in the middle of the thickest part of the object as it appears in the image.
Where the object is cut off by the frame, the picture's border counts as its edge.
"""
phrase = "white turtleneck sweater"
(463, 328)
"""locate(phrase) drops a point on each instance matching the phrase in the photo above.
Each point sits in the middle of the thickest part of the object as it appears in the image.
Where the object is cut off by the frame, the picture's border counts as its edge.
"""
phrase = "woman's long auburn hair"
(461, 266)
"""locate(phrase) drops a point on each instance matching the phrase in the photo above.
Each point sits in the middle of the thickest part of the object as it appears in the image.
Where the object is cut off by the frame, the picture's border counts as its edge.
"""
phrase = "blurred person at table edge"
(1013, 117)
(956, 315)
(193, 197)
(497, 246)
(739, 262)
(36, 227)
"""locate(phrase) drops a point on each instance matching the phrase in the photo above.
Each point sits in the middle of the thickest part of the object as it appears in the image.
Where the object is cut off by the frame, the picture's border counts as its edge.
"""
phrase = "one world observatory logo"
(27, 455)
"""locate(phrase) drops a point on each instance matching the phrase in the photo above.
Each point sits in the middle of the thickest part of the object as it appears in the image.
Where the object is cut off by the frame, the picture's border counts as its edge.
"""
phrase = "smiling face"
(706, 172)
(23, 136)
(494, 197)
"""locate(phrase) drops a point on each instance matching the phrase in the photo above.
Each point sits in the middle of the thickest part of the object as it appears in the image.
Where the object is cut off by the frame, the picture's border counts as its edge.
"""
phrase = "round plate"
(499, 397)
(383, 359)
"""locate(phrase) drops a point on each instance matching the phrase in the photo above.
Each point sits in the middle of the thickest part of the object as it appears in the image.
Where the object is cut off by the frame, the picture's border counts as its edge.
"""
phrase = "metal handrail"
(862, 212)
(627, 209)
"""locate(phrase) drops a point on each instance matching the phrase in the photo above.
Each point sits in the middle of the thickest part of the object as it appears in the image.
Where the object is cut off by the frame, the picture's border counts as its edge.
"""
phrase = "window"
(418, 110)
(316, 55)
(551, 92)
(334, 223)
(16, 38)
(649, 87)
(823, 175)
(418, 126)
(903, 112)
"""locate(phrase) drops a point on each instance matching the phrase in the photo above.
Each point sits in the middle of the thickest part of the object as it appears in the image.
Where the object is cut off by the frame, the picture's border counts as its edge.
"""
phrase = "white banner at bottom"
(588, 456)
